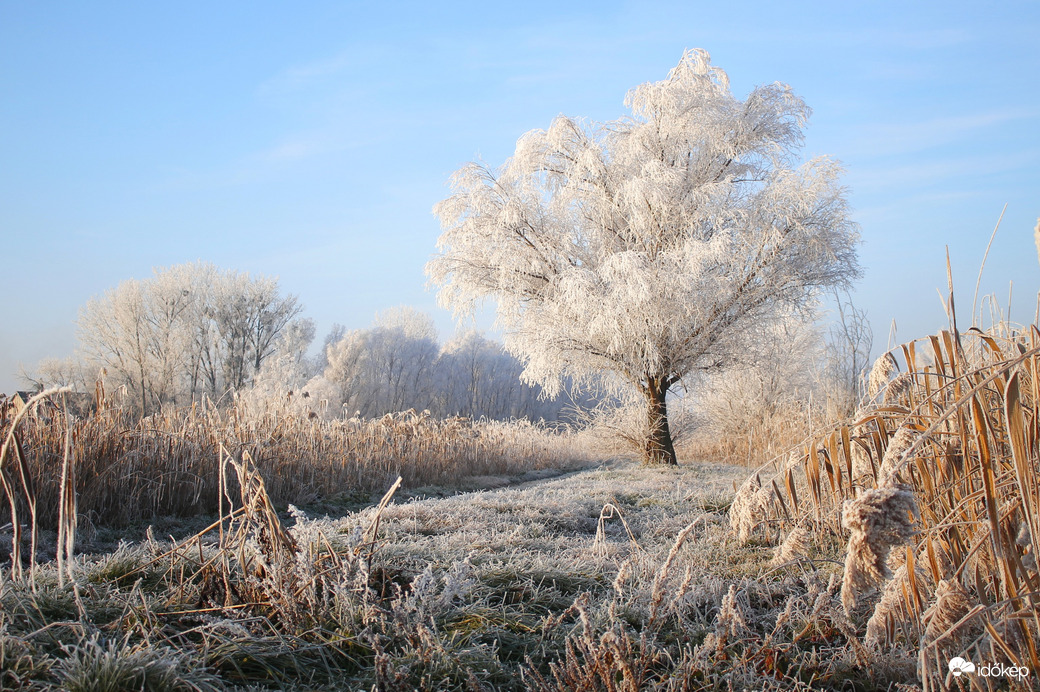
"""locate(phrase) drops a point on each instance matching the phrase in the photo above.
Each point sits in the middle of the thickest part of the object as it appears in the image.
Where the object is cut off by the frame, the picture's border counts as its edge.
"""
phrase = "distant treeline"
(193, 331)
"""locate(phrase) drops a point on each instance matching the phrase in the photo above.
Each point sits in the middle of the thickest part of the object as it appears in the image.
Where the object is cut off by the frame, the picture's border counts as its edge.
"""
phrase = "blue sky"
(310, 140)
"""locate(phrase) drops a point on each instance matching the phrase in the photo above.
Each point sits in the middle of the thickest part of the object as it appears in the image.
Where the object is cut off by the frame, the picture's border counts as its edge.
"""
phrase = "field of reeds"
(119, 469)
(71, 476)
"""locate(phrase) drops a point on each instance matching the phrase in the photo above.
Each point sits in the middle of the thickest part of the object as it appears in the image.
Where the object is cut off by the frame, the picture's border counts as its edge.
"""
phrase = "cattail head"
(878, 520)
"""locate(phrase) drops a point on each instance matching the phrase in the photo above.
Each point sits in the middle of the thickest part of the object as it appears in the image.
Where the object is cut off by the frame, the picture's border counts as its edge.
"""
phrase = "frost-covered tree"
(774, 377)
(248, 314)
(650, 247)
(469, 364)
(478, 378)
(137, 332)
(59, 372)
(295, 339)
(849, 343)
(187, 330)
(397, 364)
(388, 367)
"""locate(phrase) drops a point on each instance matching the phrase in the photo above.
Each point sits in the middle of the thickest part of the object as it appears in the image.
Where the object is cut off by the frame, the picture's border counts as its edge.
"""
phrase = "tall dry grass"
(768, 436)
(116, 468)
(934, 485)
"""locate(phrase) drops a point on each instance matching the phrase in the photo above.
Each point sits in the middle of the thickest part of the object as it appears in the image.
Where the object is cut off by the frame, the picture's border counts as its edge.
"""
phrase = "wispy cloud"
(268, 163)
(919, 175)
(297, 147)
(900, 71)
(908, 137)
(319, 72)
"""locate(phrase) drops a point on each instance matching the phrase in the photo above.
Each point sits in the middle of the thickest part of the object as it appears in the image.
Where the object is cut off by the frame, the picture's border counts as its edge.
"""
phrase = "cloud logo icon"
(958, 665)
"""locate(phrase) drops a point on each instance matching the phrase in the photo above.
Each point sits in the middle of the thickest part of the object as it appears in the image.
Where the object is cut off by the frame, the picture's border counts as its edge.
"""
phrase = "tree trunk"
(659, 448)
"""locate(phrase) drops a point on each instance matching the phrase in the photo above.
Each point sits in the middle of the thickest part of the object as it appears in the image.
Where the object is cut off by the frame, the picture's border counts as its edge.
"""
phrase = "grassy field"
(885, 552)
(612, 578)
(617, 577)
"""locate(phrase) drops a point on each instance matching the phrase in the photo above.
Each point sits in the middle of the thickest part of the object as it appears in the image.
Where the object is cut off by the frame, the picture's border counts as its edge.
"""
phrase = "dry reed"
(945, 458)
(125, 469)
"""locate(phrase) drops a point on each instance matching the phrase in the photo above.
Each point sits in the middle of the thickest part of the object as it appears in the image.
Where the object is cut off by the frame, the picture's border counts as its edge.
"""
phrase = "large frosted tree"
(651, 247)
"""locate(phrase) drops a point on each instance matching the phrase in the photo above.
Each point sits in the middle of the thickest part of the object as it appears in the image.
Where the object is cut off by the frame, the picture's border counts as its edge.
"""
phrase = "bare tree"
(388, 367)
(850, 340)
(59, 372)
(187, 329)
(652, 246)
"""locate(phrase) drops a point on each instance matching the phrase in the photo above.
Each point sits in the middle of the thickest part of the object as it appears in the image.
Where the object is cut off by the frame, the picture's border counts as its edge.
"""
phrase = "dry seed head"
(951, 604)
(1025, 541)
(785, 615)
(897, 448)
(796, 545)
(882, 371)
(862, 466)
(891, 612)
(730, 620)
(1009, 638)
(748, 505)
(898, 388)
(878, 520)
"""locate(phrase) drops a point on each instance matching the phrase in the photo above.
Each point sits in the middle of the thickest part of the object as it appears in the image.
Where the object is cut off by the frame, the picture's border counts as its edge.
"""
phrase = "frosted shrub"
(435, 593)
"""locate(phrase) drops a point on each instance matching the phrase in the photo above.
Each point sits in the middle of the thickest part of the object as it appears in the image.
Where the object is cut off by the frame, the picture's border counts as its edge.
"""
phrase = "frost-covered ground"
(617, 577)
(556, 521)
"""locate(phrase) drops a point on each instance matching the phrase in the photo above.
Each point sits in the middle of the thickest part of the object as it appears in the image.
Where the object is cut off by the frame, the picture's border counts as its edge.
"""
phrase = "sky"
(310, 140)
